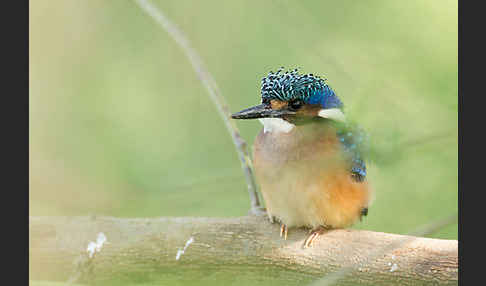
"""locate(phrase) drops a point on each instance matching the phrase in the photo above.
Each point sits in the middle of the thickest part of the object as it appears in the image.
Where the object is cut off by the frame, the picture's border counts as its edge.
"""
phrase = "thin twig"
(434, 227)
(428, 138)
(214, 93)
(430, 228)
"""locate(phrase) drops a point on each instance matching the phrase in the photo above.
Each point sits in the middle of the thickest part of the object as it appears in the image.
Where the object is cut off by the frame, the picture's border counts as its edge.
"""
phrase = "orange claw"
(283, 231)
(313, 235)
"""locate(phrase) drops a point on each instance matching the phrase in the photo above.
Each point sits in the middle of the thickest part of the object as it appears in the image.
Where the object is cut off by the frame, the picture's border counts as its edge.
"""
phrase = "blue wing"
(354, 141)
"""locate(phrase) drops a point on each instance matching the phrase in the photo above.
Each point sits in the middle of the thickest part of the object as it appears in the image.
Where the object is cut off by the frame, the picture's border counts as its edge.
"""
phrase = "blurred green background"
(120, 125)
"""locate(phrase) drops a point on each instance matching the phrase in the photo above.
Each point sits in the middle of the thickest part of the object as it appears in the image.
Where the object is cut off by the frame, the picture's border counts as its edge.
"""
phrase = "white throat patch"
(276, 125)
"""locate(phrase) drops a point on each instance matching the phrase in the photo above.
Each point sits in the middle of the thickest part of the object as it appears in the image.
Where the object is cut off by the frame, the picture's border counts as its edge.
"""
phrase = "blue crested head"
(291, 86)
(294, 97)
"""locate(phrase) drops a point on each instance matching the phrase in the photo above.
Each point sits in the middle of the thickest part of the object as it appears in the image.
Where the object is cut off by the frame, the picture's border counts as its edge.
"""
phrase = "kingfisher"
(308, 158)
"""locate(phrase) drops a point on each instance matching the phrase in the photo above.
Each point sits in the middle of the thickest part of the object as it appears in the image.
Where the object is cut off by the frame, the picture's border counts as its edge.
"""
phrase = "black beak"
(261, 111)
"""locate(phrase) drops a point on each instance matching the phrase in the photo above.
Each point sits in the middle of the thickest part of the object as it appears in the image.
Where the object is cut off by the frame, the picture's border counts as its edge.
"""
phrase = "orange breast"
(305, 181)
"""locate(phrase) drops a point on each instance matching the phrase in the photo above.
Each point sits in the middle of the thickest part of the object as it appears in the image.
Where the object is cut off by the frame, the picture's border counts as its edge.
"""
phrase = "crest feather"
(292, 85)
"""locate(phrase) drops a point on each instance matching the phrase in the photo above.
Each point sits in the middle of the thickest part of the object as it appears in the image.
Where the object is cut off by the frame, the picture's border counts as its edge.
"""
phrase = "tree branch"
(215, 95)
(149, 248)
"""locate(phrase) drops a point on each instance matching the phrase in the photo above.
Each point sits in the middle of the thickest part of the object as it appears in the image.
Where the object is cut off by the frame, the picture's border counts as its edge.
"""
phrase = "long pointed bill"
(261, 111)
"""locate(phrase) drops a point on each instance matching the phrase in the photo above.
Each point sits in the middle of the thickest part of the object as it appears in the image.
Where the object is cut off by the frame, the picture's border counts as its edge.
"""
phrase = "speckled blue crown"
(291, 85)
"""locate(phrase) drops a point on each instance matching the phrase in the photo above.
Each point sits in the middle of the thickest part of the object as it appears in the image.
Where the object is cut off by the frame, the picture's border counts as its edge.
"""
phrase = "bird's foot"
(314, 233)
(283, 231)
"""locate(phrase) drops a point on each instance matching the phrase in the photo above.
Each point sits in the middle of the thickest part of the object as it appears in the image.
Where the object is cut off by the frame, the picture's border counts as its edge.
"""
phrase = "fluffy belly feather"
(305, 182)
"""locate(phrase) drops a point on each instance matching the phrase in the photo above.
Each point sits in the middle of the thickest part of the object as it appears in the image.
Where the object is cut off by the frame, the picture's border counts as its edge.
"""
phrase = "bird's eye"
(296, 104)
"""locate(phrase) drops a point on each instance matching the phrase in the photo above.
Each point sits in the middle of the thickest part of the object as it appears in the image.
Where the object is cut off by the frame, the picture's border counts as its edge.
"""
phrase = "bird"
(308, 159)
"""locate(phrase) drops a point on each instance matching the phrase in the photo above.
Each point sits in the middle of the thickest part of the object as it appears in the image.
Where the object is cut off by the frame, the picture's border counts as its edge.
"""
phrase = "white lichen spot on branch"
(180, 252)
(394, 266)
(94, 247)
